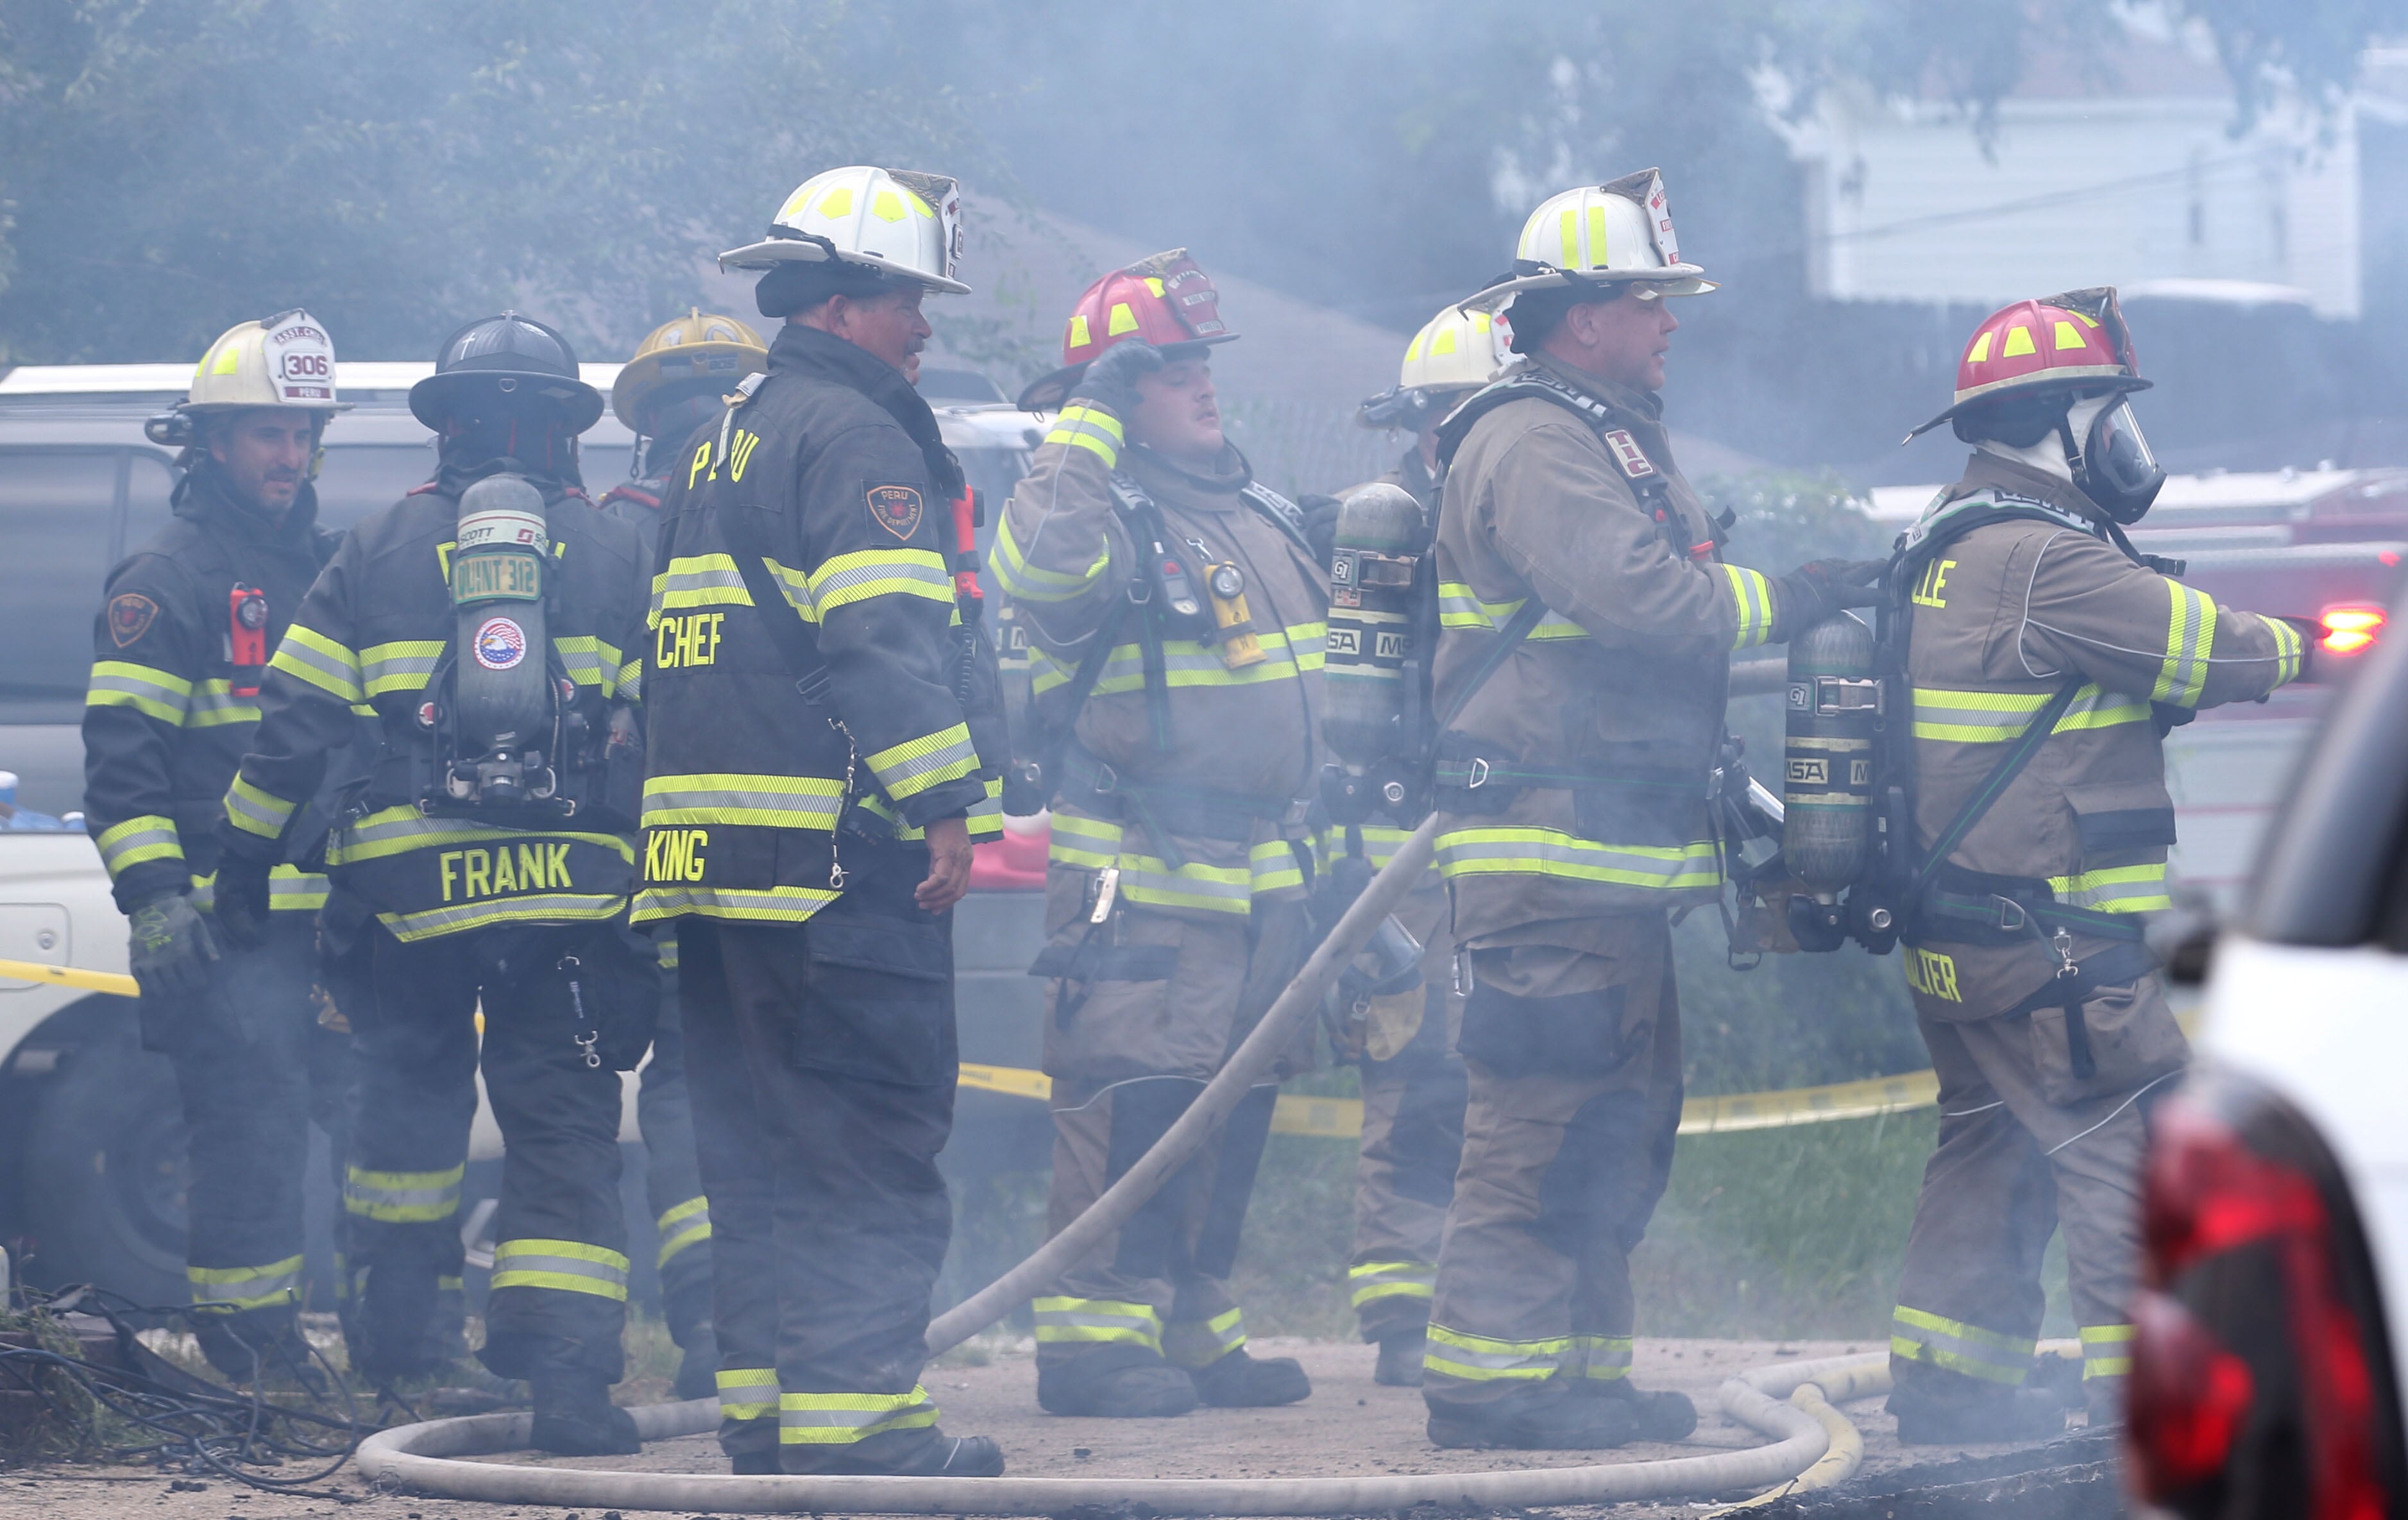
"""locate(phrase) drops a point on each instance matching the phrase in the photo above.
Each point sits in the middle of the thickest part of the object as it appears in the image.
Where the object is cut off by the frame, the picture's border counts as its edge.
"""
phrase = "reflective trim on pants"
(2106, 1351)
(233, 1289)
(1197, 1344)
(682, 1224)
(565, 1266)
(1953, 1345)
(1479, 1358)
(1062, 1320)
(402, 1197)
(1376, 1280)
(748, 1393)
(1601, 1357)
(840, 1419)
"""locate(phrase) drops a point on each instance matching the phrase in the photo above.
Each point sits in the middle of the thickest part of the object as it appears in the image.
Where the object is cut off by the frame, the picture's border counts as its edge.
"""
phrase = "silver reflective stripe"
(403, 667)
(234, 1289)
(1376, 1280)
(562, 1266)
(401, 1196)
(702, 581)
(748, 1393)
(215, 706)
(1547, 853)
(533, 908)
(1061, 1319)
(157, 840)
(897, 769)
(838, 1419)
(765, 802)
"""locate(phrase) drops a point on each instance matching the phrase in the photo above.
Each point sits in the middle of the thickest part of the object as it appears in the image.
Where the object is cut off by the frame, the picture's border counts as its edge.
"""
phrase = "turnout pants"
(1129, 1049)
(2026, 1146)
(558, 1297)
(1572, 1046)
(1413, 1095)
(241, 1052)
(673, 1171)
(822, 1062)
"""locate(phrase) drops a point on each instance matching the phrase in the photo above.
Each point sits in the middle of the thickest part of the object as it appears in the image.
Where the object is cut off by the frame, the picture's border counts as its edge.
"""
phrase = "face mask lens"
(2117, 451)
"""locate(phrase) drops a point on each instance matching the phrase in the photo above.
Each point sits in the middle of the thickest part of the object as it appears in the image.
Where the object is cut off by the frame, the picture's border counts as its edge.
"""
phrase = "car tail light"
(2259, 1386)
(2350, 630)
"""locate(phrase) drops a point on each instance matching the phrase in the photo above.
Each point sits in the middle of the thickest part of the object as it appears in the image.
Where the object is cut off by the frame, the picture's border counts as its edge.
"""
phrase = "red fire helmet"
(1165, 300)
(2076, 340)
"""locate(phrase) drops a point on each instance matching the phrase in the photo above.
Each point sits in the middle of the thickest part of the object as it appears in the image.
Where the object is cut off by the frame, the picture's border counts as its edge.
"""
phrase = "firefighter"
(1174, 616)
(664, 394)
(1413, 1086)
(1586, 626)
(186, 627)
(823, 717)
(486, 861)
(2026, 605)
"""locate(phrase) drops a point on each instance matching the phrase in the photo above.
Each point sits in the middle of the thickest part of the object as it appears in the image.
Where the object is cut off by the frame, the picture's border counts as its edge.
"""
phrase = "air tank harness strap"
(1476, 783)
(1974, 907)
(2075, 983)
(1164, 810)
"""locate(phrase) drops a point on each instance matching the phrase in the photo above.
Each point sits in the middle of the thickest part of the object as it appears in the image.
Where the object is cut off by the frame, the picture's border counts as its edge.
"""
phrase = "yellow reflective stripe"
(290, 889)
(254, 810)
(1375, 1280)
(563, 1266)
(2106, 1351)
(680, 1226)
(1751, 604)
(1028, 582)
(1600, 1359)
(1091, 428)
(2115, 889)
(1972, 717)
(1063, 1320)
(1271, 867)
(589, 659)
(840, 1419)
(392, 831)
(843, 580)
(1480, 1358)
(234, 1289)
(985, 818)
(307, 654)
(535, 908)
(1197, 1343)
(1546, 851)
(151, 692)
(1093, 843)
(401, 1197)
(402, 665)
(913, 766)
(2190, 634)
(748, 1393)
(733, 798)
(2288, 648)
(768, 905)
(697, 581)
(1919, 1335)
(215, 706)
(1188, 662)
(150, 836)
(630, 684)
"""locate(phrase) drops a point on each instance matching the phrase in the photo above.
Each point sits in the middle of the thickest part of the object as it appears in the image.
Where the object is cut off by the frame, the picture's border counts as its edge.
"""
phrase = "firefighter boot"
(948, 1456)
(1536, 1418)
(574, 1416)
(1946, 1409)
(1109, 1379)
(1237, 1381)
(1655, 1413)
(1400, 1359)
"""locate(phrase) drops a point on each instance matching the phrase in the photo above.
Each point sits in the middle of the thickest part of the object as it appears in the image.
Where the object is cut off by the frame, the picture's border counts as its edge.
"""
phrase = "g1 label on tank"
(500, 643)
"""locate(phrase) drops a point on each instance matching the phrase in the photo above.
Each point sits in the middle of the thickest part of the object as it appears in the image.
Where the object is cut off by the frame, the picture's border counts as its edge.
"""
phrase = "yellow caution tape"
(69, 975)
(1342, 1118)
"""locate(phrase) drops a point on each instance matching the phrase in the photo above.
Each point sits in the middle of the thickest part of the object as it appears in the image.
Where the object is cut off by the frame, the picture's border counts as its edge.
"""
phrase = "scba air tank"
(1827, 765)
(502, 701)
(1380, 533)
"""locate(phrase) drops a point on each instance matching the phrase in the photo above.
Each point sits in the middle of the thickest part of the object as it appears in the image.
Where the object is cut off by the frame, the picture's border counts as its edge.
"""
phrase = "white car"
(2273, 1328)
(92, 1137)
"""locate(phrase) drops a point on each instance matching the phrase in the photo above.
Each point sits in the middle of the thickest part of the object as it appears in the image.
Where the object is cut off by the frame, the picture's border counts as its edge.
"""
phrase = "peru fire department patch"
(897, 509)
(130, 617)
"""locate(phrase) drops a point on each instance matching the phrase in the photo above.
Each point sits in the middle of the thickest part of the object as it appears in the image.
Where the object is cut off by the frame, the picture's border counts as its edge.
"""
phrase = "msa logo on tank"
(300, 361)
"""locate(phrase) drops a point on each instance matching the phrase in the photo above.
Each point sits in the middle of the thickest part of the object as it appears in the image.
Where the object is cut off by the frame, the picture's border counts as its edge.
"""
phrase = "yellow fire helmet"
(1457, 352)
(284, 361)
(681, 359)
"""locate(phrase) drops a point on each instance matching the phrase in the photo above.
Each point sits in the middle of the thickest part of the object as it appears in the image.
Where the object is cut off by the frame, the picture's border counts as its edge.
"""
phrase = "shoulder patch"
(1627, 454)
(898, 509)
(130, 617)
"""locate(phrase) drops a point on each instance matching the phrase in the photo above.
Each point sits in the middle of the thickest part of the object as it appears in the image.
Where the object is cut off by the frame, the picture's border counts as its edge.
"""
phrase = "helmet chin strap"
(2048, 457)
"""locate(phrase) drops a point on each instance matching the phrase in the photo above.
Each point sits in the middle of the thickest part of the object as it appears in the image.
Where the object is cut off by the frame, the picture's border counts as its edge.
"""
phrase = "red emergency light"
(2350, 630)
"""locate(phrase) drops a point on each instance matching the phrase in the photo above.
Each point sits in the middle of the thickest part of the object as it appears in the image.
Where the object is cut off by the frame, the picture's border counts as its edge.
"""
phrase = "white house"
(2122, 171)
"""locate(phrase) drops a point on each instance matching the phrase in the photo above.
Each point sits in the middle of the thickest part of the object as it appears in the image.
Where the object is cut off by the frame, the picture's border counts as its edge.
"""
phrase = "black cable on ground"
(238, 1434)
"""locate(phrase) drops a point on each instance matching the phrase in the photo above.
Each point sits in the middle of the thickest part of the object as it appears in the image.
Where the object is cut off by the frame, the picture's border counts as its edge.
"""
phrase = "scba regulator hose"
(425, 1456)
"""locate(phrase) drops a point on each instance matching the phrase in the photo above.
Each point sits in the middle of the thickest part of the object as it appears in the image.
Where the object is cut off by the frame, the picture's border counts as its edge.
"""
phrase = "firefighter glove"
(171, 949)
(1320, 525)
(1111, 380)
(242, 900)
(1821, 588)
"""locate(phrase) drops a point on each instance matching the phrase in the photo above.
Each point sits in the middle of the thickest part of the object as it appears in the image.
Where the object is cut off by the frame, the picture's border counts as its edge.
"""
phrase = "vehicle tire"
(106, 1164)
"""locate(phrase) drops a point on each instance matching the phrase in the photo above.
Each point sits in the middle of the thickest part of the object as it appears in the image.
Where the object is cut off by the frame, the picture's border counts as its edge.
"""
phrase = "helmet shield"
(2117, 469)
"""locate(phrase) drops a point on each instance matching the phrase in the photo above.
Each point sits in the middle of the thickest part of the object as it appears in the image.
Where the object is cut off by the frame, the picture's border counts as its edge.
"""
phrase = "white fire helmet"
(1456, 351)
(1610, 234)
(904, 224)
(285, 361)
